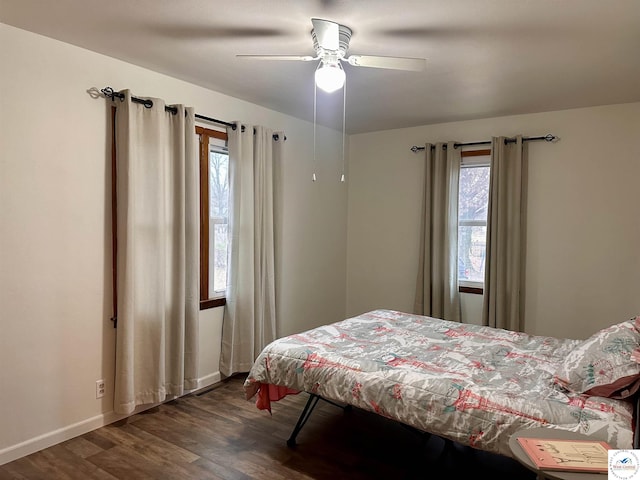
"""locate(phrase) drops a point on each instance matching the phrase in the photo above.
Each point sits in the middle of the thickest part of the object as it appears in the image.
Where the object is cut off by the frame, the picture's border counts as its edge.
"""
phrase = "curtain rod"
(548, 138)
(111, 93)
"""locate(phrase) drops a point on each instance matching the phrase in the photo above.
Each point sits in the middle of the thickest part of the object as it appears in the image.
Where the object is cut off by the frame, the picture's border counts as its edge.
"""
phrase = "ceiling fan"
(331, 42)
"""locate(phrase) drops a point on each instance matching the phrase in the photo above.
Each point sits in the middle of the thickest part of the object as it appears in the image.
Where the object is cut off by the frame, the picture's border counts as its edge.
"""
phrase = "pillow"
(607, 364)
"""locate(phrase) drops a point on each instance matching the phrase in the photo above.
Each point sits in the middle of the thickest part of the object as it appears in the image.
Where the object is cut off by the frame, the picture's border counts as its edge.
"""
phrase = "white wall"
(56, 339)
(583, 238)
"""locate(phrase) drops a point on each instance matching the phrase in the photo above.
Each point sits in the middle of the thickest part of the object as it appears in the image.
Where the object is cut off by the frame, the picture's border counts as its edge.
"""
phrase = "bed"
(471, 384)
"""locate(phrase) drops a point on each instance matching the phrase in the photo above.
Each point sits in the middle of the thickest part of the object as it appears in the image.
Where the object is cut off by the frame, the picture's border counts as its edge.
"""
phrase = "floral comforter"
(471, 384)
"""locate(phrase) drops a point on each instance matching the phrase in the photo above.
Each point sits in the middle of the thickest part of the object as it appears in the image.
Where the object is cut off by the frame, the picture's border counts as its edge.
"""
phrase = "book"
(567, 455)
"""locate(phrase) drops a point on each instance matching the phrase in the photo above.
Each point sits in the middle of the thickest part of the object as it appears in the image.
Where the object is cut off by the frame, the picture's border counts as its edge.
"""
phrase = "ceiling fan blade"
(304, 58)
(210, 32)
(327, 33)
(396, 63)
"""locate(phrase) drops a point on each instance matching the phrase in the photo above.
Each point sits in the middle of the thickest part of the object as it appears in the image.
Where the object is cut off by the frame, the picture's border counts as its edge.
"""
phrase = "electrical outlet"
(99, 388)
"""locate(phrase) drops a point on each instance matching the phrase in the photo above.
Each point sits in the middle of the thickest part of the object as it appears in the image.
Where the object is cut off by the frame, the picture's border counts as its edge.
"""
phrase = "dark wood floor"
(217, 434)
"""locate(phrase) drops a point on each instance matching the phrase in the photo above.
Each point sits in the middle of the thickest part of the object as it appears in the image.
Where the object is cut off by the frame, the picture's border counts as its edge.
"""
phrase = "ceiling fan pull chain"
(315, 100)
(344, 115)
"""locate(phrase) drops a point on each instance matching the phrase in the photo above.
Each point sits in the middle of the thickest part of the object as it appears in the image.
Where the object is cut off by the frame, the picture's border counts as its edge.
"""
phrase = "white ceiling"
(484, 57)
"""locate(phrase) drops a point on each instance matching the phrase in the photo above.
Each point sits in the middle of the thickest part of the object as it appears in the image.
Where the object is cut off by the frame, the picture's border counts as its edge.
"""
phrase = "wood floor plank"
(140, 441)
(199, 440)
(219, 435)
(60, 463)
(121, 463)
(82, 447)
(227, 473)
(96, 437)
(21, 469)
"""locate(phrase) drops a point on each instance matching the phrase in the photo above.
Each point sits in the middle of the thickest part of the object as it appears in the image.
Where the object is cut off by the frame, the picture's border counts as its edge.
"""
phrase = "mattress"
(472, 384)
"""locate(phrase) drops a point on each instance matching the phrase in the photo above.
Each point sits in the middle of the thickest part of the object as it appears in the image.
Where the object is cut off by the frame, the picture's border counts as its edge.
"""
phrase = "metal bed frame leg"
(636, 433)
(306, 413)
(304, 416)
(448, 447)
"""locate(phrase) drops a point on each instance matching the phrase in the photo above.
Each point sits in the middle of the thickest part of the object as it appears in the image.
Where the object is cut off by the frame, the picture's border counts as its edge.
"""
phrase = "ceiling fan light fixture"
(330, 77)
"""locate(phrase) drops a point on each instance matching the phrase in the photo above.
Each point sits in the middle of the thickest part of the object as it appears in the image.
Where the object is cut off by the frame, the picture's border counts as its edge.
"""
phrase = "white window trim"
(470, 284)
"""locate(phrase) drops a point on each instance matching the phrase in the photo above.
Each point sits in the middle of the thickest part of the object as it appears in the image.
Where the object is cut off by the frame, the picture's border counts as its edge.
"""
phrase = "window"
(214, 216)
(473, 201)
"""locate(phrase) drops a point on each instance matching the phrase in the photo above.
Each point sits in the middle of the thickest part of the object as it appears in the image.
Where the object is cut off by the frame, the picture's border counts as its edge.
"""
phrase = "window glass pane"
(218, 184)
(471, 253)
(472, 222)
(474, 193)
(218, 220)
(219, 266)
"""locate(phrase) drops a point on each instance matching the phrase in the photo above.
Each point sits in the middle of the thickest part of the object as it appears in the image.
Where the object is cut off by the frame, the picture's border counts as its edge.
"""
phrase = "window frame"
(204, 134)
(470, 286)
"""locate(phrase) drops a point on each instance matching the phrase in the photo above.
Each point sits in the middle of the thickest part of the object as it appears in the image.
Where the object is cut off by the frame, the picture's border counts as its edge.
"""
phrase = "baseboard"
(52, 438)
(208, 380)
(63, 434)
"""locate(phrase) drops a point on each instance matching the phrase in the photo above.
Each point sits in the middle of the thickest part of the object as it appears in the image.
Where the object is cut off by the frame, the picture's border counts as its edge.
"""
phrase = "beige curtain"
(437, 284)
(157, 253)
(249, 322)
(506, 222)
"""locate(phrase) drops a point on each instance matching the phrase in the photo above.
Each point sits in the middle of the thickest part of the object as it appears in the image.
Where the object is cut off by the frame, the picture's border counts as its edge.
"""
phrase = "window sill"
(469, 289)
(212, 303)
